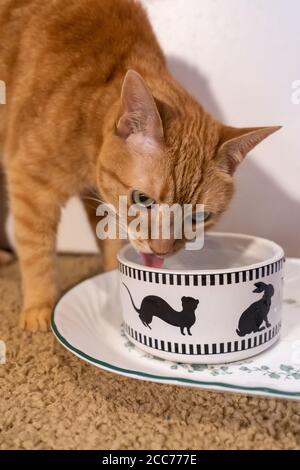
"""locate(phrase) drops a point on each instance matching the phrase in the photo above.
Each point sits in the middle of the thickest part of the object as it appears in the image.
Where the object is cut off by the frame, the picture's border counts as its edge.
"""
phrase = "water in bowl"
(217, 253)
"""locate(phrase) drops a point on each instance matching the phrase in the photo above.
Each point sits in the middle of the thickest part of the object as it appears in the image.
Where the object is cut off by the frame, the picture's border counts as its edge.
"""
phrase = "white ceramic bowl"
(220, 304)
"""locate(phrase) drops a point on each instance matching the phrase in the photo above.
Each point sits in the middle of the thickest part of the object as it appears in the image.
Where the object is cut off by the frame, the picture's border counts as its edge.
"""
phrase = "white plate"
(87, 321)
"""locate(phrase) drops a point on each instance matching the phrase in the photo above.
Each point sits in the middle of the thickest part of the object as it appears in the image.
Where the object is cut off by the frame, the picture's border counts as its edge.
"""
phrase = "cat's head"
(166, 150)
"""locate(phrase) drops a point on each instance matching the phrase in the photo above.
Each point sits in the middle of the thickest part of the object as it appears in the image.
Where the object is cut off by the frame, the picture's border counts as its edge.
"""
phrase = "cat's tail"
(133, 304)
(239, 333)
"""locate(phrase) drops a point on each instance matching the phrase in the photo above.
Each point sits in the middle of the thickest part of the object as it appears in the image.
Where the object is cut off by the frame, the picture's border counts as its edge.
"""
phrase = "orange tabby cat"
(91, 106)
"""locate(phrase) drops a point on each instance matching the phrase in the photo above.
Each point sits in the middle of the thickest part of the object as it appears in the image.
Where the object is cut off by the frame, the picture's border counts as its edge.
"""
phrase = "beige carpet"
(49, 399)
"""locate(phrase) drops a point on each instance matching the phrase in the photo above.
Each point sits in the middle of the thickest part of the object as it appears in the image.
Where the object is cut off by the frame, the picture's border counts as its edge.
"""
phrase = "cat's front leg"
(36, 212)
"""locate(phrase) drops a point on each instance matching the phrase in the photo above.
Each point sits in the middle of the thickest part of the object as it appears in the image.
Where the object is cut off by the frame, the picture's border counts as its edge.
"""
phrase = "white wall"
(239, 58)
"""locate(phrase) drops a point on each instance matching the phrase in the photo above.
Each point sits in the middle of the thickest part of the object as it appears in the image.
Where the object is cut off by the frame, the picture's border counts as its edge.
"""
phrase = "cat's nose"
(159, 253)
(161, 247)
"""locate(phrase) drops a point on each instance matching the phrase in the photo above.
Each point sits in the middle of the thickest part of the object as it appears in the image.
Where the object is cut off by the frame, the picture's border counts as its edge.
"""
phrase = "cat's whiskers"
(99, 201)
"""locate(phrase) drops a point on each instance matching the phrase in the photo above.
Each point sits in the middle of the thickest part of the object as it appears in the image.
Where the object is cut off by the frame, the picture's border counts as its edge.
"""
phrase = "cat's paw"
(35, 319)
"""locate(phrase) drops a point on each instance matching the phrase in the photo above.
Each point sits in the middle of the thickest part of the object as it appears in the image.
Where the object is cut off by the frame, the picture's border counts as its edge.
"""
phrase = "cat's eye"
(200, 217)
(142, 199)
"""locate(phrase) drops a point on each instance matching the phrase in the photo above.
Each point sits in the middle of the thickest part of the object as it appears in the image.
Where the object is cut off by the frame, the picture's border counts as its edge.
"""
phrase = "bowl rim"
(279, 254)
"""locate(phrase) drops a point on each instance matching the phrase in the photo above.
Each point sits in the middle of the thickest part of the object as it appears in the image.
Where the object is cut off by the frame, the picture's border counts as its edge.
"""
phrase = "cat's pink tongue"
(152, 261)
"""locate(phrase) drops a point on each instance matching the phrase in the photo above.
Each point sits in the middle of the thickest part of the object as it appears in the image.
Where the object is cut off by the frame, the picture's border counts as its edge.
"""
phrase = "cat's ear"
(138, 114)
(235, 143)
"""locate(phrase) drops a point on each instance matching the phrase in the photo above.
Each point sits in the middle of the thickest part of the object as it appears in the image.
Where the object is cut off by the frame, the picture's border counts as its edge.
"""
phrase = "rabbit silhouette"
(252, 319)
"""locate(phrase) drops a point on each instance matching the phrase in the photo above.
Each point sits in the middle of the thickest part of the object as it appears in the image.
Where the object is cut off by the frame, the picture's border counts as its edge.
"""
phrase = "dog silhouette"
(154, 306)
(252, 318)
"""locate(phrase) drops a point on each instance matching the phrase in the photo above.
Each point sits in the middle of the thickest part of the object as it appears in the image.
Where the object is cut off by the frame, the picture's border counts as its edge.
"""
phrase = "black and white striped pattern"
(201, 279)
(205, 349)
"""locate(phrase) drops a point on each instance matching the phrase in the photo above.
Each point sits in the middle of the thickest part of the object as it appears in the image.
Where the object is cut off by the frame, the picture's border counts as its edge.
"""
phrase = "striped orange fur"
(91, 106)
